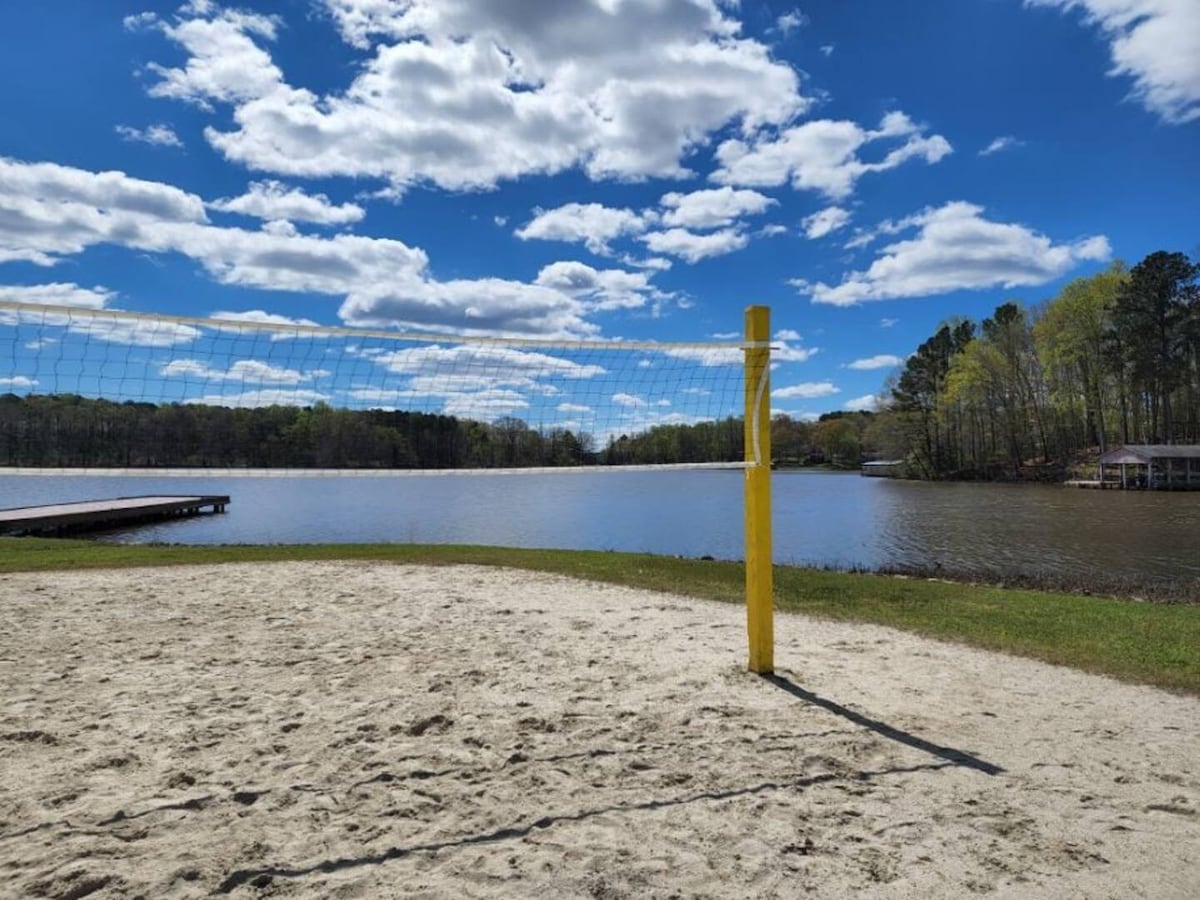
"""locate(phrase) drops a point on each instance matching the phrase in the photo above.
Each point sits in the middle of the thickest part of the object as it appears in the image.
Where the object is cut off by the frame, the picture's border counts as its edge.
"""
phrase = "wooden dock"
(90, 515)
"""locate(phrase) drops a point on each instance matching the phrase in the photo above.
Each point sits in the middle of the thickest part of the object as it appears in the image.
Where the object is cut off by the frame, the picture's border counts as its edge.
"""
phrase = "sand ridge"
(375, 730)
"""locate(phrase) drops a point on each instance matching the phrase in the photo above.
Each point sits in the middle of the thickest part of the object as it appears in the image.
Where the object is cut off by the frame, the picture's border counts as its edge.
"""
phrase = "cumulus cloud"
(48, 212)
(865, 403)
(824, 222)
(52, 210)
(273, 201)
(250, 371)
(262, 397)
(591, 224)
(681, 217)
(782, 351)
(19, 382)
(518, 366)
(880, 361)
(57, 294)
(956, 248)
(262, 317)
(717, 208)
(465, 95)
(823, 155)
(1154, 42)
(599, 290)
(155, 135)
(809, 390)
(143, 332)
(478, 382)
(224, 63)
(692, 247)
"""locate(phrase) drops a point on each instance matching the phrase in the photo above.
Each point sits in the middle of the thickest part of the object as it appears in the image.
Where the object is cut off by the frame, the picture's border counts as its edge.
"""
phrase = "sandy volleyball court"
(371, 730)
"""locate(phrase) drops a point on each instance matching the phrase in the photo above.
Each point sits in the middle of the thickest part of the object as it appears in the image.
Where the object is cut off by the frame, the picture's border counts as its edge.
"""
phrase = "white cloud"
(49, 211)
(485, 406)
(880, 361)
(590, 224)
(250, 371)
(888, 323)
(21, 382)
(865, 236)
(692, 247)
(155, 135)
(865, 403)
(822, 155)
(272, 201)
(467, 397)
(717, 208)
(824, 222)
(772, 230)
(138, 21)
(787, 334)
(573, 408)
(262, 317)
(262, 397)
(143, 332)
(781, 352)
(511, 365)
(809, 390)
(465, 95)
(958, 249)
(599, 290)
(1154, 42)
(787, 353)
(147, 332)
(628, 400)
(224, 63)
(826, 50)
(998, 145)
(790, 21)
(58, 294)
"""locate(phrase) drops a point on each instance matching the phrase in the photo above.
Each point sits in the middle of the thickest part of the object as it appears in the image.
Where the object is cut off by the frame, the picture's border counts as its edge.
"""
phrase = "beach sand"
(372, 730)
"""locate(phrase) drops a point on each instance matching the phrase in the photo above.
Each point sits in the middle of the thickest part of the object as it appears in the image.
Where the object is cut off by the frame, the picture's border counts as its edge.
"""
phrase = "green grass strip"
(1137, 642)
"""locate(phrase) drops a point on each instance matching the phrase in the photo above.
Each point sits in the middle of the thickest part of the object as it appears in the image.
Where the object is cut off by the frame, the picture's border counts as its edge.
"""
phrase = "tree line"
(1112, 359)
(67, 430)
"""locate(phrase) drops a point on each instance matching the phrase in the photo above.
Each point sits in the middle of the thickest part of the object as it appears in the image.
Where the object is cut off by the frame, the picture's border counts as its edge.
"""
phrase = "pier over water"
(94, 515)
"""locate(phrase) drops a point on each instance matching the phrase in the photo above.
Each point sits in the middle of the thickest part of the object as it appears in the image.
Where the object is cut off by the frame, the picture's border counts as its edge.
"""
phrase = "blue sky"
(637, 169)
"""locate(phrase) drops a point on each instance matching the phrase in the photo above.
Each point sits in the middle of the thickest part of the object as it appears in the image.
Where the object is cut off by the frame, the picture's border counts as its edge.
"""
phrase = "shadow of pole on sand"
(958, 757)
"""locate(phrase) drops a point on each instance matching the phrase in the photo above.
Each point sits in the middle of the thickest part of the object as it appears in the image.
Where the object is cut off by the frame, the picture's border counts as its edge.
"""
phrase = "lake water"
(823, 519)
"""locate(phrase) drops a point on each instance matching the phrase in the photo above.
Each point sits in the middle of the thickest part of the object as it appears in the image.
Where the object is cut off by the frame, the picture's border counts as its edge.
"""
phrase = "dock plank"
(105, 513)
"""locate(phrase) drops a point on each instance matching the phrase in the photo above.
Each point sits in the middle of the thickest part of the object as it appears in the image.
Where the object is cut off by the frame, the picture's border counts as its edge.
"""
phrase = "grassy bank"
(1140, 642)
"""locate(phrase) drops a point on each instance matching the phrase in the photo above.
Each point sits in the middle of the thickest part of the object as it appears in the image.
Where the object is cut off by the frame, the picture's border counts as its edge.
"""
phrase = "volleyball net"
(174, 391)
(85, 388)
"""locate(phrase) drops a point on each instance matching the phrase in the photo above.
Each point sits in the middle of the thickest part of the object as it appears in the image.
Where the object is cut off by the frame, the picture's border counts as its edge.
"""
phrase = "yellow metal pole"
(760, 612)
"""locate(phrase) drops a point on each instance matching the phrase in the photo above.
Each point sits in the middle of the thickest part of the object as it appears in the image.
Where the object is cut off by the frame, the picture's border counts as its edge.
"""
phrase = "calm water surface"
(818, 518)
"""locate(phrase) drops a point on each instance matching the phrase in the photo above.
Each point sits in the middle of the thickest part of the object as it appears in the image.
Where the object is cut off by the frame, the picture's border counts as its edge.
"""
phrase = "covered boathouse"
(1170, 467)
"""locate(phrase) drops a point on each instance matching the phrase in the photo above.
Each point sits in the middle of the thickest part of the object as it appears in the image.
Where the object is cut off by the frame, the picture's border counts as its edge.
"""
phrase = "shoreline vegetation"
(1148, 643)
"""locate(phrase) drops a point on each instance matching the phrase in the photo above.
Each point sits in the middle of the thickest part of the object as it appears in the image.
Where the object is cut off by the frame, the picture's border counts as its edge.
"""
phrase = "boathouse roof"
(1141, 454)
